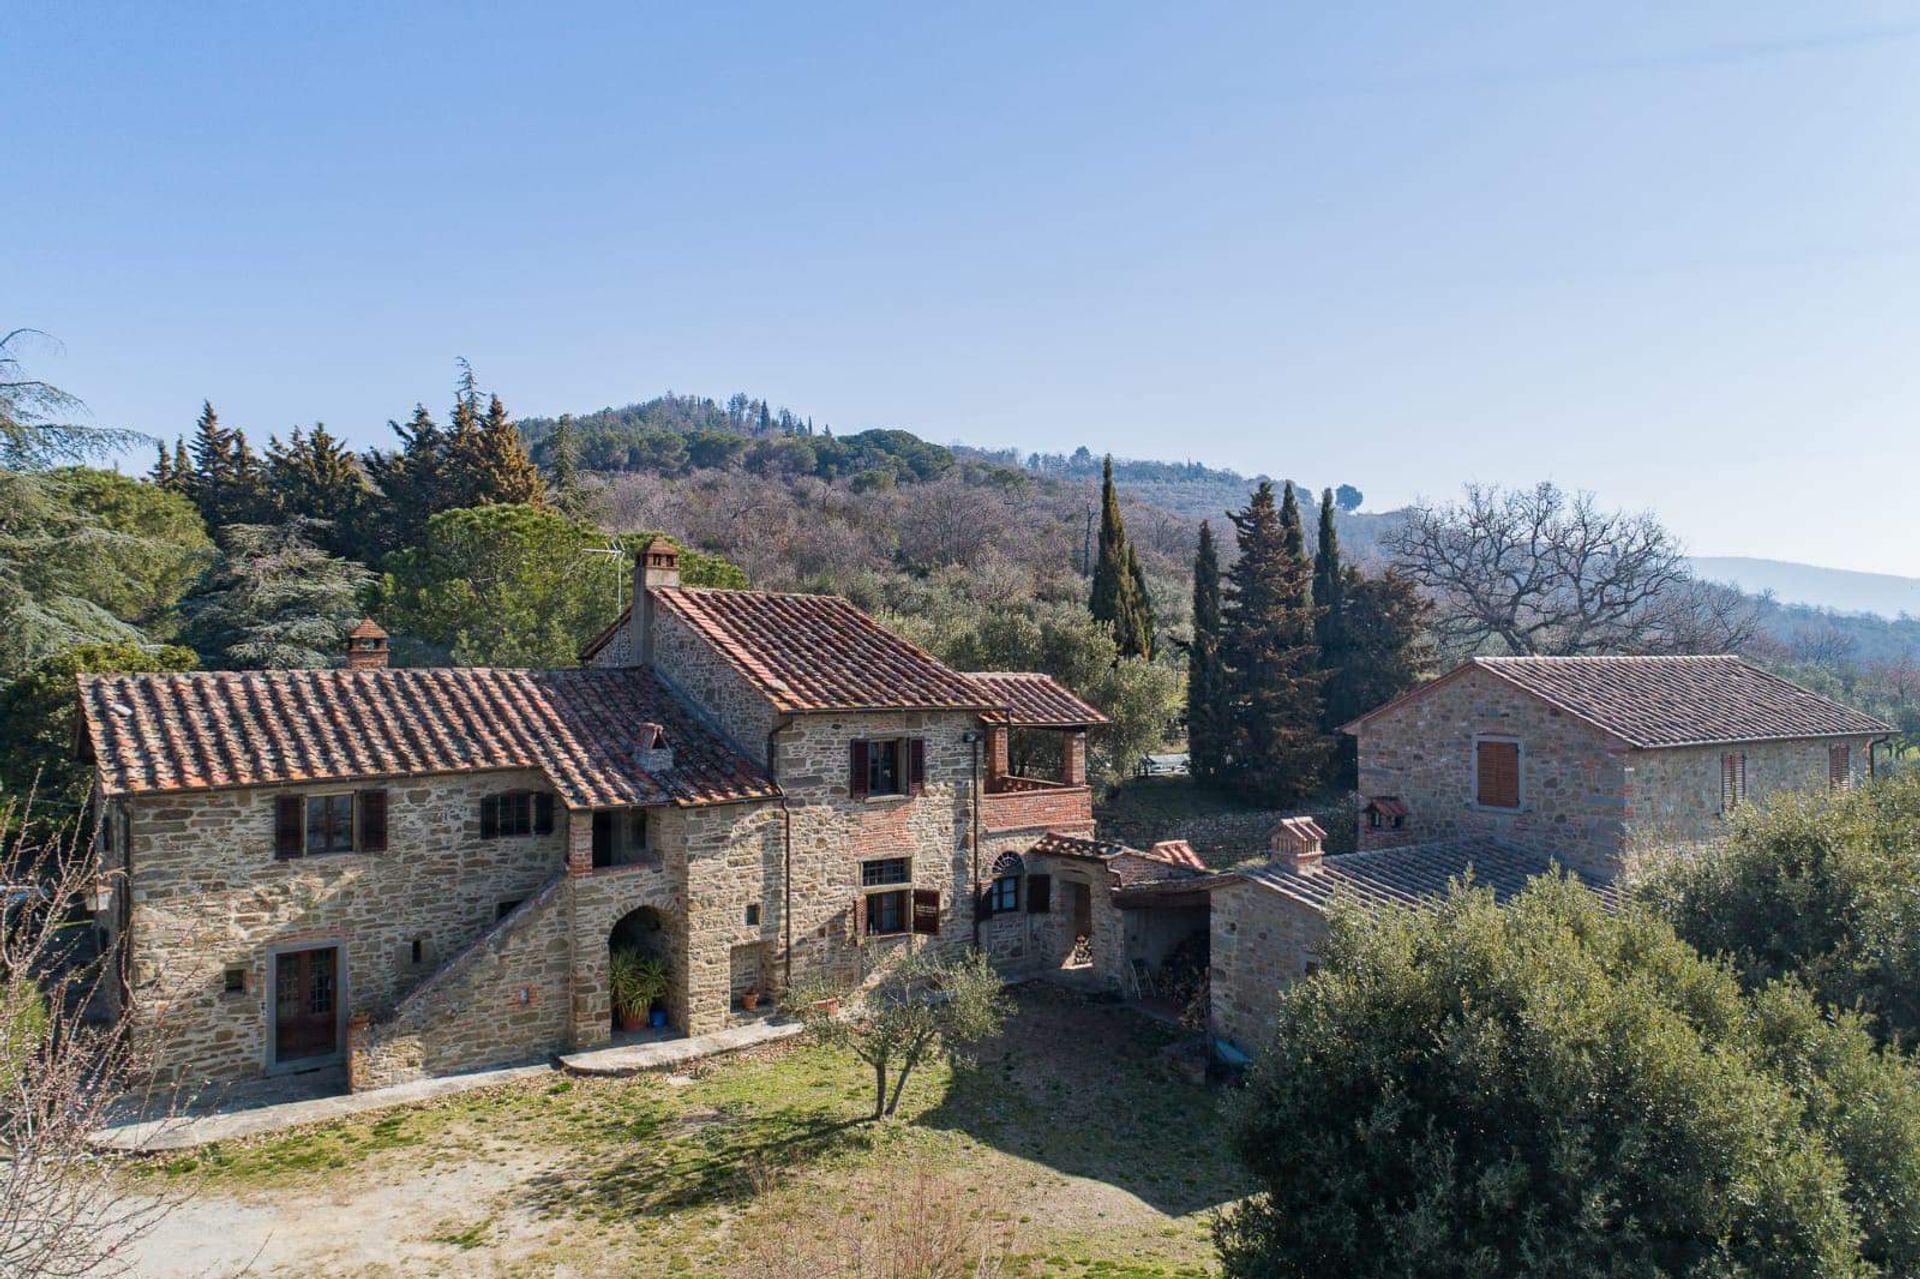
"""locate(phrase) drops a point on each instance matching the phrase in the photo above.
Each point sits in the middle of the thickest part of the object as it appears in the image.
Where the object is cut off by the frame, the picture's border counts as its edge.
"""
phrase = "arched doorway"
(639, 944)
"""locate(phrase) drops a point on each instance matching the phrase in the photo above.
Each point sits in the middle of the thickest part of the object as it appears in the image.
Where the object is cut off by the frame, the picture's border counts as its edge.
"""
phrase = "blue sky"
(1671, 256)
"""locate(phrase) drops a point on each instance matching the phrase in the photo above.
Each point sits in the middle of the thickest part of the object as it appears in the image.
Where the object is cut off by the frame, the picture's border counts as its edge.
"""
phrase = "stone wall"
(506, 997)
(1573, 801)
(1261, 941)
(694, 669)
(1673, 796)
(208, 893)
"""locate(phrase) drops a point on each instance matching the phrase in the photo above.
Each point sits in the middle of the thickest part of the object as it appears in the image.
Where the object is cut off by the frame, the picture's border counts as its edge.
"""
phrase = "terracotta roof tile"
(819, 652)
(208, 729)
(1171, 861)
(1415, 875)
(1652, 702)
(1037, 701)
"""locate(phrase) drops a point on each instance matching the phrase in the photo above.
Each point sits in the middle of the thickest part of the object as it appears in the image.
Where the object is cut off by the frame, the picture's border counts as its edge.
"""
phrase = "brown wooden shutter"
(543, 814)
(857, 777)
(926, 910)
(1499, 773)
(371, 806)
(1839, 765)
(1039, 894)
(288, 811)
(862, 917)
(490, 817)
(916, 765)
(983, 904)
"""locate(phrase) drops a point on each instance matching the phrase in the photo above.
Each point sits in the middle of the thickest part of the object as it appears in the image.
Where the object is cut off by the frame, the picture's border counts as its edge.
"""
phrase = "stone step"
(663, 1054)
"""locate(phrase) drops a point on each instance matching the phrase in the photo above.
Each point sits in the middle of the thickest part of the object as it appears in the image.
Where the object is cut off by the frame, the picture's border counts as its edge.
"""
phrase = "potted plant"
(652, 978)
(627, 983)
(750, 998)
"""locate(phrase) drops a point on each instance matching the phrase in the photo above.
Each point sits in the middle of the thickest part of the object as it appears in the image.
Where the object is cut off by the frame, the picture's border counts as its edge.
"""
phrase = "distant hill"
(1841, 590)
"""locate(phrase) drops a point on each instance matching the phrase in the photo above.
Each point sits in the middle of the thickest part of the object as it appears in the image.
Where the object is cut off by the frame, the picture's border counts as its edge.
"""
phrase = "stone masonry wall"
(1573, 802)
(700, 674)
(505, 998)
(833, 833)
(1261, 941)
(1673, 796)
(208, 893)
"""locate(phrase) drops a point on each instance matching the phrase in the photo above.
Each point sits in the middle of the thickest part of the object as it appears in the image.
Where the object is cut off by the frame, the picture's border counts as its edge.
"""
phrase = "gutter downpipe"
(977, 737)
(786, 857)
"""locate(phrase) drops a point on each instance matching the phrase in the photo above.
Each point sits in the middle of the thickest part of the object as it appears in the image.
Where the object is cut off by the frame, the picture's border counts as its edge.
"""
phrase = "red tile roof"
(1653, 702)
(819, 652)
(1172, 860)
(204, 730)
(1036, 701)
(1415, 875)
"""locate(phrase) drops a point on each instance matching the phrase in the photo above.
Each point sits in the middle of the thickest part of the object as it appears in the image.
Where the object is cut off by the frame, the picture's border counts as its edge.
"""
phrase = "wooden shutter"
(371, 808)
(288, 811)
(543, 814)
(983, 906)
(1839, 765)
(490, 817)
(916, 765)
(1039, 894)
(857, 776)
(926, 910)
(1499, 773)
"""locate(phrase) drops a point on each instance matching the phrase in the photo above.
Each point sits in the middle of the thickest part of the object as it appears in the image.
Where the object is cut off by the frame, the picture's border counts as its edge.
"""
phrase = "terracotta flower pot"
(750, 1000)
(630, 1022)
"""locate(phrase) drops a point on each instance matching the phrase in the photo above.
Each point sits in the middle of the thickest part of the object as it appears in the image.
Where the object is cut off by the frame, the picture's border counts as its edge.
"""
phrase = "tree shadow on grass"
(1078, 1085)
(693, 1161)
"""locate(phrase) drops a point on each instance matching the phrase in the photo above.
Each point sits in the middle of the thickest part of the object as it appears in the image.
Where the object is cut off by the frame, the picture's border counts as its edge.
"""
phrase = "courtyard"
(1066, 1145)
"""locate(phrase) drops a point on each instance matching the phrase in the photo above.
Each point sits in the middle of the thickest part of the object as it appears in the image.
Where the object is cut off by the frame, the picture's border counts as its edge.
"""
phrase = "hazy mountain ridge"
(1838, 590)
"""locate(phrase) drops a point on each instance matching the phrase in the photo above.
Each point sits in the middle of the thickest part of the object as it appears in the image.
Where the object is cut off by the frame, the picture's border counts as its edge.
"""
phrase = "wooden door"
(306, 1009)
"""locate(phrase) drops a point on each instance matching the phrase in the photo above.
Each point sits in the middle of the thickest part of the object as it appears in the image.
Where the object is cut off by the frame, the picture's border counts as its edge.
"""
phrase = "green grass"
(1072, 1099)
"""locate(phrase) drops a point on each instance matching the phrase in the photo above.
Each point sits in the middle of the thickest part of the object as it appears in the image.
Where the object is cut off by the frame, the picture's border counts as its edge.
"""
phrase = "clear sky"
(1666, 252)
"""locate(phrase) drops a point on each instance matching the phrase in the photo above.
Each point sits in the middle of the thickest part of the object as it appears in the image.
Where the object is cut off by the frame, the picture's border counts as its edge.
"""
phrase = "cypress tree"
(507, 474)
(1274, 747)
(1206, 689)
(1329, 598)
(161, 475)
(182, 465)
(1116, 596)
(1144, 619)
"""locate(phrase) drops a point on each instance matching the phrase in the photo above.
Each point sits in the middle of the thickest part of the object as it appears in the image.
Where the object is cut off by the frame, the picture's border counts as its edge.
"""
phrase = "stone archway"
(648, 932)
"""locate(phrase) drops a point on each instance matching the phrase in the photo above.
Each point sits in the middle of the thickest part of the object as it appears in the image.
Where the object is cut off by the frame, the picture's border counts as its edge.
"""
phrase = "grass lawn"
(1066, 1131)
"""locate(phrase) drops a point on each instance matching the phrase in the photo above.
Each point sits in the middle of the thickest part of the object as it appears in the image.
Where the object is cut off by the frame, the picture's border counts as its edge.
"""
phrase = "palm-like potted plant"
(636, 983)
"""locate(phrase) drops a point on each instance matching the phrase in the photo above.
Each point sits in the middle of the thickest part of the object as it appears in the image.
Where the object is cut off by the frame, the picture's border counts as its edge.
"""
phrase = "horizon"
(1663, 250)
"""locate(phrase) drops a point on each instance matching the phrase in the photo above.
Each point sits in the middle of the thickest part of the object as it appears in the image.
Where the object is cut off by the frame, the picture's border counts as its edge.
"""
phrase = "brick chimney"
(1298, 842)
(651, 751)
(657, 567)
(366, 647)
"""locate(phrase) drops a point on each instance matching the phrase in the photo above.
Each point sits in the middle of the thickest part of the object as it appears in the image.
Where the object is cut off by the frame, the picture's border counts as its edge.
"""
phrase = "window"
(888, 913)
(504, 909)
(887, 766)
(329, 824)
(418, 952)
(1497, 774)
(887, 870)
(1840, 766)
(1039, 894)
(1004, 895)
(514, 813)
(234, 980)
(753, 914)
(621, 838)
(1733, 780)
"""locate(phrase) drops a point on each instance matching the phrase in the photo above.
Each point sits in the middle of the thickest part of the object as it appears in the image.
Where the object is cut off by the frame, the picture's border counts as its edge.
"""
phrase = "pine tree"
(162, 473)
(412, 481)
(1206, 691)
(1115, 597)
(1273, 743)
(563, 467)
(226, 481)
(317, 477)
(182, 465)
(507, 475)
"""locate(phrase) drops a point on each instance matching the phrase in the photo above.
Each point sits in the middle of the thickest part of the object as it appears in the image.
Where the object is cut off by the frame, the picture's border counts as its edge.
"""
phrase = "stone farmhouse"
(1505, 767)
(423, 871)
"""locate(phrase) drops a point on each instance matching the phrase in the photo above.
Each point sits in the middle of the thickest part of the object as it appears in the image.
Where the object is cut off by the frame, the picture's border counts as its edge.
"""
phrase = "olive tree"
(914, 1007)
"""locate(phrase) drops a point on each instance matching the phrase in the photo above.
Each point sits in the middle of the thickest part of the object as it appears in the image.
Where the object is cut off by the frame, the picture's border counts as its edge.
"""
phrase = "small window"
(887, 766)
(1497, 774)
(753, 914)
(504, 909)
(1733, 780)
(1004, 895)
(234, 979)
(417, 952)
(1840, 766)
(329, 824)
(887, 870)
(884, 774)
(888, 913)
(516, 813)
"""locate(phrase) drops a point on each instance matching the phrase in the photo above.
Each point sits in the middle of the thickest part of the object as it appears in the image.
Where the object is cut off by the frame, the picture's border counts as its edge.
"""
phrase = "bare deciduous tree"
(64, 1069)
(1541, 571)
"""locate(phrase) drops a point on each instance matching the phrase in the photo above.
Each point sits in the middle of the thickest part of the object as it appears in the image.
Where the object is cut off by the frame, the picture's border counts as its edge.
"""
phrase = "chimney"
(366, 647)
(651, 751)
(1298, 841)
(657, 567)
